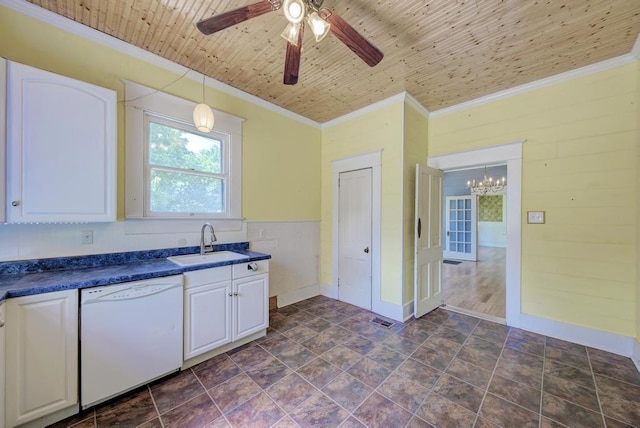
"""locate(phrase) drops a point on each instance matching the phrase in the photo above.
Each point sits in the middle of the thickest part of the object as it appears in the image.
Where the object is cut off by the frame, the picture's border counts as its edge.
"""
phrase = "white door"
(354, 240)
(428, 240)
(461, 241)
(251, 305)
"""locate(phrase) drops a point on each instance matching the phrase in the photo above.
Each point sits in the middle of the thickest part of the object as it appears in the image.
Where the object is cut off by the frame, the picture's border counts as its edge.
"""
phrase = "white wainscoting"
(294, 269)
(32, 241)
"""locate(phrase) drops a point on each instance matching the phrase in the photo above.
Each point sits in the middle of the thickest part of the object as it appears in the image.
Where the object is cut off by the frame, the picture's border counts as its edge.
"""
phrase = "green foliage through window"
(186, 171)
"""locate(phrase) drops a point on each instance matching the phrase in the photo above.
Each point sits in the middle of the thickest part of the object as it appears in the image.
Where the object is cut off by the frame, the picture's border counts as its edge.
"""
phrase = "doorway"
(511, 155)
(473, 274)
(372, 162)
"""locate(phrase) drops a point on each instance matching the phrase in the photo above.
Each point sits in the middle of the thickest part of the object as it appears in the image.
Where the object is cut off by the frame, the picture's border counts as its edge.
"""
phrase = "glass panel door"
(462, 224)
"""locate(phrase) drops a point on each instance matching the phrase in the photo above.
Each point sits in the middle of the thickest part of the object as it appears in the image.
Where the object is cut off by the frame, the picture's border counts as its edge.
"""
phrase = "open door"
(428, 241)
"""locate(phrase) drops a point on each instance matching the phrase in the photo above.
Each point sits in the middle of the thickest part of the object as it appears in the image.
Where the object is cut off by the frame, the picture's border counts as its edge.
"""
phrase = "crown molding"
(416, 105)
(365, 110)
(635, 50)
(626, 59)
(81, 30)
(401, 97)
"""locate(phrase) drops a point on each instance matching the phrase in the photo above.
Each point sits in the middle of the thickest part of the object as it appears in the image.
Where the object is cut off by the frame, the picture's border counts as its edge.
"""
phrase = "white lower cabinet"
(207, 310)
(41, 355)
(223, 305)
(251, 298)
(2, 366)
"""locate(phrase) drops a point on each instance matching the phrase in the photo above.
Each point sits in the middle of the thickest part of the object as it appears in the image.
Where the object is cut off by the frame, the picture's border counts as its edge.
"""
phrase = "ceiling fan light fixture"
(291, 32)
(319, 27)
(294, 11)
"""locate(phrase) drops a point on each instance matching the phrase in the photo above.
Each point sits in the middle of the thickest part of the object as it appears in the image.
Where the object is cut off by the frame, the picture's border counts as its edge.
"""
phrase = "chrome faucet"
(203, 247)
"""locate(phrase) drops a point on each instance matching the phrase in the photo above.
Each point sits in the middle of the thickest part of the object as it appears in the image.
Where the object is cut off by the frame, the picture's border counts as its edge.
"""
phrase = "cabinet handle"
(1, 323)
(230, 294)
(252, 266)
(235, 294)
(15, 203)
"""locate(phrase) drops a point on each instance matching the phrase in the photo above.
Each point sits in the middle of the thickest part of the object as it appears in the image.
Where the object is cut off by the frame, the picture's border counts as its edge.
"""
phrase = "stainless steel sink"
(215, 257)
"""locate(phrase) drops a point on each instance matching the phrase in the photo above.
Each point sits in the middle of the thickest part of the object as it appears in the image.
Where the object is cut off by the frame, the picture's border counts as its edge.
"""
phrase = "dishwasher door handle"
(133, 292)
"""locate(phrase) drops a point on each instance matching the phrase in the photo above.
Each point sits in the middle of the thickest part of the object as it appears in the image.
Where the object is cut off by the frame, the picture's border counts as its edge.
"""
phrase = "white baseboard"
(407, 311)
(636, 354)
(386, 309)
(329, 290)
(610, 342)
(298, 295)
(389, 310)
(492, 244)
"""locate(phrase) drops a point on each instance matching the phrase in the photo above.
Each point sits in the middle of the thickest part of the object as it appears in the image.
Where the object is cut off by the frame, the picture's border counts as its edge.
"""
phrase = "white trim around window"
(142, 102)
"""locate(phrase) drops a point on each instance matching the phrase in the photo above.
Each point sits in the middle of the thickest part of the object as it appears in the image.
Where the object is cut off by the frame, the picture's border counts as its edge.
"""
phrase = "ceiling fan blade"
(227, 19)
(292, 60)
(354, 40)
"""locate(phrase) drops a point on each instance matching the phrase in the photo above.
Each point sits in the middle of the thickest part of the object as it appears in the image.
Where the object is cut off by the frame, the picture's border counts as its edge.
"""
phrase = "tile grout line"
(544, 365)
(155, 406)
(206, 391)
(493, 372)
(288, 414)
(595, 385)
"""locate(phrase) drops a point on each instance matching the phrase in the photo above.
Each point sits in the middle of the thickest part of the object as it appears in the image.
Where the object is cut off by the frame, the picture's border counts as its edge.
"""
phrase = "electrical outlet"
(86, 236)
(262, 234)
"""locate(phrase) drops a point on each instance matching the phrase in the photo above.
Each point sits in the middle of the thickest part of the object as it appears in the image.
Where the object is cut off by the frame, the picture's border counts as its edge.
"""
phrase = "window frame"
(144, 104)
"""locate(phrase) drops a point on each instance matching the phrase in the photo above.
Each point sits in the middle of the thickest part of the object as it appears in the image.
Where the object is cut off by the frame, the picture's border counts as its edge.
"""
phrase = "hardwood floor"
(477, 286)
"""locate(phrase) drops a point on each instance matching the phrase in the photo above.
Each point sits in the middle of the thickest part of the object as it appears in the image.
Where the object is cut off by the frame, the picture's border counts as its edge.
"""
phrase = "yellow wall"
(415, 151)
(380, 129)
(281, 167)
(579, 165)
(638, 206)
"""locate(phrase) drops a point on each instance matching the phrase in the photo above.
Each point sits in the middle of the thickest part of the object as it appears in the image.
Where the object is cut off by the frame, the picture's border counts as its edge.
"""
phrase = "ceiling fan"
(320, 20)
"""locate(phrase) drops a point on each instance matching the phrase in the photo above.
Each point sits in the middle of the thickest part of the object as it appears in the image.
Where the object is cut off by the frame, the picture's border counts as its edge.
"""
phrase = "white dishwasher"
(130, 334)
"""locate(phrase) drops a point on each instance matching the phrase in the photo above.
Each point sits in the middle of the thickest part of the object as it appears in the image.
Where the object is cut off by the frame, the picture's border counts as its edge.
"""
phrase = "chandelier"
(487, 185)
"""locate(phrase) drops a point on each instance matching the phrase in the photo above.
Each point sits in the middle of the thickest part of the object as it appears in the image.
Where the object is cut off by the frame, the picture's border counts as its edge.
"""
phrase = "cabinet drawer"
(243, 269)
(207, 276)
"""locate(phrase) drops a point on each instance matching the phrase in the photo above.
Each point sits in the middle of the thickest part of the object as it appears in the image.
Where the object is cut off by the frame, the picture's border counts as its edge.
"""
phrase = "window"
(174, 170)
(186, 170)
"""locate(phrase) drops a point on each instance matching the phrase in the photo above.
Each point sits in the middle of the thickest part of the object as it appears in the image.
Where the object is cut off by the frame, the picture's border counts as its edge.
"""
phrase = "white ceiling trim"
(365, 110)
(629, 58)
(635, 50)
(416, 105)
(78, 29)
(401, 97)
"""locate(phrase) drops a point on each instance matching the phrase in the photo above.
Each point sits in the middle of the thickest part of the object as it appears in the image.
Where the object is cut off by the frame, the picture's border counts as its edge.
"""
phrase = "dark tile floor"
(325, 363)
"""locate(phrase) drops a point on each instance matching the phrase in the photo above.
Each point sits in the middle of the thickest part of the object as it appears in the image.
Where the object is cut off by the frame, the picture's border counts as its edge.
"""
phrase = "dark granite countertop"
(27, 277)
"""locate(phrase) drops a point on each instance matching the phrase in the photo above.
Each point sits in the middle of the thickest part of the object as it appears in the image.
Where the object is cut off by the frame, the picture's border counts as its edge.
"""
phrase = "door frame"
(361, 161)
(511, 154)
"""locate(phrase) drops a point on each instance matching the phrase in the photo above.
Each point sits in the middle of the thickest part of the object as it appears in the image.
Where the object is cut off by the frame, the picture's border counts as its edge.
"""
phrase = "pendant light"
(202, 115)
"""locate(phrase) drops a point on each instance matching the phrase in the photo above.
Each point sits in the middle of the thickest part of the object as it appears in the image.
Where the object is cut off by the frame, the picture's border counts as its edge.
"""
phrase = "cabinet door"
(61, 148)
(2, 367)
(251, 308)
(42, 355)
(207, 311)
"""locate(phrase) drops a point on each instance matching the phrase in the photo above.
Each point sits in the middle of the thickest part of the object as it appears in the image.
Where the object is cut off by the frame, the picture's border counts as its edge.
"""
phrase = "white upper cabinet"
(61, 148)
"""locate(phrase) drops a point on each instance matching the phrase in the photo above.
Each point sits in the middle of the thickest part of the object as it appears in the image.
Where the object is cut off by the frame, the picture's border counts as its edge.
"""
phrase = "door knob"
(15, 203)
(366, 250)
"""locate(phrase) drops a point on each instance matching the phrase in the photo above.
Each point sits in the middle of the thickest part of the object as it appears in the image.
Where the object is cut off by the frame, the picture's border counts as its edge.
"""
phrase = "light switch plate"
(535, 217)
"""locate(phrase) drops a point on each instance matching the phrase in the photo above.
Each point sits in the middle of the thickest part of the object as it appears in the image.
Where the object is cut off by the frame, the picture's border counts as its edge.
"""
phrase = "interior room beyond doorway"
(475, 232)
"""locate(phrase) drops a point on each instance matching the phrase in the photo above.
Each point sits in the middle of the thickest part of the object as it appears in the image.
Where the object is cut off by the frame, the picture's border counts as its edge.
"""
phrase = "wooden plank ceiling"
(442, 52)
